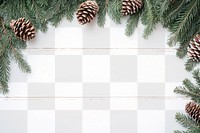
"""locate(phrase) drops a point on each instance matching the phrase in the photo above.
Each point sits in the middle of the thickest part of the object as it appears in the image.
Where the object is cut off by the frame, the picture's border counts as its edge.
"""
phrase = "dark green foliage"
(62, 9)
(114, 10)
(191, 91)
(5, 72)
(181, 17)
(132, 24)
(182, 50)
(102, 13)
(19, 59)
(188, 123)
(150, 16)
(190, 65)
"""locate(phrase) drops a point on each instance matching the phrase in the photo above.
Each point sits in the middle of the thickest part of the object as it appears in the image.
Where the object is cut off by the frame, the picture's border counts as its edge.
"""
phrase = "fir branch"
(182, 50)
(114, 10)
(60, 9)
(3, 44)
(186, 121)
(42, 3)
(179, 131)
(4, 87)
(39, 17)
(190, 86)
(170, 10)
(164, 8)
(183, 91)
(19, 59)
(132, 24)
(184, 20)
(195, 130)
(148, 18)
(190, 65)
(196, 76)
(4, 72)
(103, 6)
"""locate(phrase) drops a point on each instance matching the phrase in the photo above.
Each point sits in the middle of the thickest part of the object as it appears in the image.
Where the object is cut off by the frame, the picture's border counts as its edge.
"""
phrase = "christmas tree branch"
(182, 50)
(185, 19)
(114, 8)
(186, 121)
(103, 8)
(186, 93)
(19, 59)
(148, 18)
(132, 24)
(190, 65)
(4, 72)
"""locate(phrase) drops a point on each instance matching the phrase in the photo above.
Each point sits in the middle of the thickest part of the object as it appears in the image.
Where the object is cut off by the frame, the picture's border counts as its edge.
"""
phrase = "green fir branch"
(196, 76)
(186, 121)
(4, 72)
(190, 65)
(132, 24)
(170, 10)
(183, 91)
(164, 7)
(19, 59)
(4, 87)
(147, 18)
(183, 22)
(114, 10)
(182, 50)
(101, 19)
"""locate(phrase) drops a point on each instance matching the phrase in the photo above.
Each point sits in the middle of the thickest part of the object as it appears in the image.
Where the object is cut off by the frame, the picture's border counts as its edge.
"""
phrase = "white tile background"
(87, 79)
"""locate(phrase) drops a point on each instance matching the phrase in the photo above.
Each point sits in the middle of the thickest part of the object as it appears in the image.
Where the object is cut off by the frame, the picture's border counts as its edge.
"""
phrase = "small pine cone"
(194, 48)
(23, 29)
(193, 110)
(87, 11)
(131, 6)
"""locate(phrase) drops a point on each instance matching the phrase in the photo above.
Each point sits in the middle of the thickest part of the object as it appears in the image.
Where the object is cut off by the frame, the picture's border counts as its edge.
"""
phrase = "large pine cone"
(131, 6)
(193, 110)
(23, 29)
(194, 49)
(87, 11)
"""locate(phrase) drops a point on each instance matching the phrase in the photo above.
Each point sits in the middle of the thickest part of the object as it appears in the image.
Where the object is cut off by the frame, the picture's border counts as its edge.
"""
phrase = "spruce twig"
(19, 59)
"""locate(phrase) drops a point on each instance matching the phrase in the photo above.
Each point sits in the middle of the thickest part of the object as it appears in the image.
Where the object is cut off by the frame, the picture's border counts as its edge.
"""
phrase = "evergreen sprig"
(192, 91)
(19, 59)
(187, 122)
(132, 24)
(114, 10)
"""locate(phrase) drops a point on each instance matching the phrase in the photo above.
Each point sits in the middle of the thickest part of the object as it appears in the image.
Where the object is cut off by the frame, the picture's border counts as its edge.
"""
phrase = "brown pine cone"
(193, 110)
(194, 49)
(23, 29)
(131, 6)
(87, 11)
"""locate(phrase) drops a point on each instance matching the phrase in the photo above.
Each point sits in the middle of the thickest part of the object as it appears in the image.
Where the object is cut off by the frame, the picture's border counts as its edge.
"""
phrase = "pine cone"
(87, 11)
(193, 110)
(131, 6)
(194, 49)
(23, 29)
